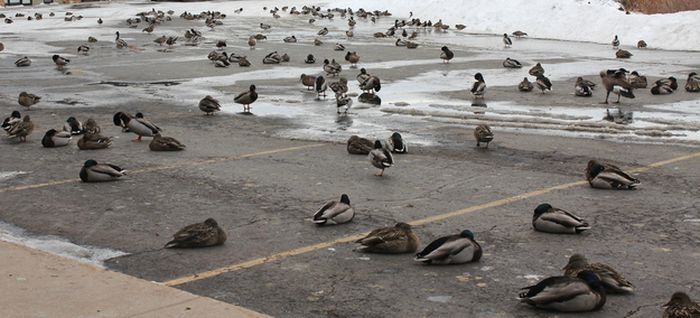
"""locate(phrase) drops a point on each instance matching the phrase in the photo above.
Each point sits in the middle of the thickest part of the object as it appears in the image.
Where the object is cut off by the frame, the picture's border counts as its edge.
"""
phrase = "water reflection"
(618, 116)
(368, 98)
(478, 103)
(344, 121)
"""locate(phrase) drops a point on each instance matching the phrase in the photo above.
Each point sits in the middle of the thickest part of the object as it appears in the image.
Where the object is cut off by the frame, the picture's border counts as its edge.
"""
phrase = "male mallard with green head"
(549, 219)
(335, 212)
(100, 172)
(453, 249)
(139, 125)
(54, 138)
(380, 158)
(566, 294)
(608, 176)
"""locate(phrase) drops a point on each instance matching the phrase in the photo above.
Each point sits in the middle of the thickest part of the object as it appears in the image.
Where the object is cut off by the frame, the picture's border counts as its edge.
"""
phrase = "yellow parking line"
(167, 167)
(310, 248)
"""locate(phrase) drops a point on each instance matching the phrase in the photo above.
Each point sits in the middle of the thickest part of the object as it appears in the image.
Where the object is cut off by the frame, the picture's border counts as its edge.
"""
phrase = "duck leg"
(380, 174)
(618, 98)
(138, 139)
(606, 98)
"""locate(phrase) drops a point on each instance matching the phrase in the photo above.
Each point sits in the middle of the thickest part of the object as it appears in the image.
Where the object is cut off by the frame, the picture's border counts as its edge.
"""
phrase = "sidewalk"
(38, 284)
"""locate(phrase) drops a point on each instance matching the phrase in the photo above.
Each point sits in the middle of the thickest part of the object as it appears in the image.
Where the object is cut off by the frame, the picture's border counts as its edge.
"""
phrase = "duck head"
(403, 226)
(211, 222)
(377, 144)
(16, 114)
(678, 298)
(345, 199)
(90, 163)
(542, 208)
(468, 234)
(479, 77)
(252, 88)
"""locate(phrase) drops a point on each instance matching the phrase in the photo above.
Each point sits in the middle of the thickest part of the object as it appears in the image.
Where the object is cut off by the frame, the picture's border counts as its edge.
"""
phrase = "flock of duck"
(582, 286)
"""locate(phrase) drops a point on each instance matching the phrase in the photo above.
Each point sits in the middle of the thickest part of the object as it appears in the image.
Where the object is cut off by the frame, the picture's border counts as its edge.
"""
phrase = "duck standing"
(482, 133)
(543, 83)
(507, 41)
(525, 85)
(615, 81)
(616, 43)
(9, 122)
(352, 58)
(22, 129)
(121, 44)
(380, 158)
(446, 55)
(479, 86)
(320, 86)
(246, 98)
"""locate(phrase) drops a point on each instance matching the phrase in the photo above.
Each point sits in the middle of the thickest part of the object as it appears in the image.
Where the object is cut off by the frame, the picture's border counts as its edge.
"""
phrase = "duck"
(615, 43)
(138, 125)
(331, 69)
(452, 249)
(14, 118)
(543, 83)
(121, 44)
(507, 41)
(73, 126)
(100, 172)
(411, 45)
(23, 62)
(390, 240)
(671, 82)
(60, 61)
(26, 99)
(615, 81)
(94, 141)
(340, 88)
(349, 33)
(246, 98)
(22, 129)
(380, 158)
(335, 212)
(320, 86)
(400, 42)
(396, 144)
(566, 294)
(339, 47)
(519, 34)
(260, 36)
(205, 234)
(171, 41)
(446, 55)
(92, 39)
(243, 62)
(308, 80)
(612, 281)
(149, 29)
(549, 219)
(272, 58)
(343, 101)
(460, 27)
(511, 63)
(318, 42)
(692, 84)
(357, 145)
(252, 42)
(525, 85)
(582, 88)
(636, 80)
(372, 84)
(681, 306)
(99, 20)
(479, 86)
(161, 143)
(661, 90)
(482, 133)
(363, 76)
(536, 70)
(91, 127)
(209, 105)
(608, 176)
(220, 44)
(290, 39)
(54, 138)
(83, 49)
(623, 54)
(322, 32)
(310, 59)
(641, 44)
(352, 58)
(265, 26)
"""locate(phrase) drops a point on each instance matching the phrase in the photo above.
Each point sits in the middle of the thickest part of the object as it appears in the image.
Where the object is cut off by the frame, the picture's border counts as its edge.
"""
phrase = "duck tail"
(172, 244)
(117, 119)
(582, 228)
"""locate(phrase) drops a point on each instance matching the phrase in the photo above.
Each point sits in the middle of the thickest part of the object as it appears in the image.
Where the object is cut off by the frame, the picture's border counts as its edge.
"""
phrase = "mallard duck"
(460, 27)
(671, 82)
(91, 39)
(623, 54)
(209, 105)
(363, 76)
(582, 89)
(661, 90)
(318, 42)
(613, 281)
(22, 129)
(349, 33)
(549, 219)
(525, 85)
(681, 306)
(506, 40)
(272, 58)
(390, 240)
(260, 36)
(636, 80)
(91, 127)
(160, 143)
(380, 158)
(615, 81)
(608, 176)
(243, 62)
(198, 235)
(100, 172)
(641, 44)
(171, 41)
(246, 98)
(322, 32)
(330, 69)
(320, 86)
(161, 40)
(26, 99)
(84, 49)
(395, 143)
(446, 55)
(73, 126)
(400, 42)
(453, 249)
(94, 141)
(566, 294)
(615, 43)
(340, 87)
(99, 21)
(252, 42)
(149, 29)
(692, 84)
(121, 44)
(482, 133)
(413, 35)
(371, 85)
(54, 138)
(339, 47)
(511, 63)
(411, 45)
(335, 212)
(23, 62)
(543, 84)
(60, 61)
(290, 39)
(479, 86)
(265, 26)
(220, 44)
(308, 80)
(9, 122)
(352, 58)
(343, 101)
(359, 146)
(138, 125)
(519, 34)
(536, 70)
(310, 59)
